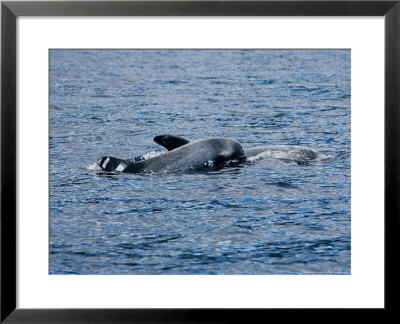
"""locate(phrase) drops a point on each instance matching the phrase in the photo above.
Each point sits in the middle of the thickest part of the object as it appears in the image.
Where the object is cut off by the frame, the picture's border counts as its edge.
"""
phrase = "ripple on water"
(273, 214)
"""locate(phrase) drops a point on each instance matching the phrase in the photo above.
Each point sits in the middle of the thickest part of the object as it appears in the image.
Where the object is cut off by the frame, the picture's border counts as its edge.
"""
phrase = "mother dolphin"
(182, 156)
(294, 153)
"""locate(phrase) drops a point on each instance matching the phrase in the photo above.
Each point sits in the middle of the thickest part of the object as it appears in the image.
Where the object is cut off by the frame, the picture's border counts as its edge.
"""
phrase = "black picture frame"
(10, 10)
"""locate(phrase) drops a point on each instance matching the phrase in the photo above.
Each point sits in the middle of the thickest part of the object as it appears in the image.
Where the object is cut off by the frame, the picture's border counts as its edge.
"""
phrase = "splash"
(292, 153)
(267, 154)
(94, 167)
(152, 154)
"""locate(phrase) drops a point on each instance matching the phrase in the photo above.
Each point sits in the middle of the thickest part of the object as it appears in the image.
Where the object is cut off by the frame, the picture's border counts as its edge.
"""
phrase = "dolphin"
(182, 155)
(296, 153)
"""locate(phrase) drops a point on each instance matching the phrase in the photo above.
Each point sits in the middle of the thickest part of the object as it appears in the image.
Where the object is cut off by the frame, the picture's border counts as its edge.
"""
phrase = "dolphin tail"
(170, 142)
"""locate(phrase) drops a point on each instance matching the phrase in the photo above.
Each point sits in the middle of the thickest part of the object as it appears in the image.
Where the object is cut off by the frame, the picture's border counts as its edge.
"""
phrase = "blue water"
(267, 216)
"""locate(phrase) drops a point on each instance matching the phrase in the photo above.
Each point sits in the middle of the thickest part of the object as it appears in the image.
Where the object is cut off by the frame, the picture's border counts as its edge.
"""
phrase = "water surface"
(267, 216)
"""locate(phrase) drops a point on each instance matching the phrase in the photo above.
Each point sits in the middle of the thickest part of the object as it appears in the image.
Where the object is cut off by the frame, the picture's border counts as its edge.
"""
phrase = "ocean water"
(266, 216)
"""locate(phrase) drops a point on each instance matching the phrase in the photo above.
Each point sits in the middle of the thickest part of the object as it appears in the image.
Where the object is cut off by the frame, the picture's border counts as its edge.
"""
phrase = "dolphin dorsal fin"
(170, 142)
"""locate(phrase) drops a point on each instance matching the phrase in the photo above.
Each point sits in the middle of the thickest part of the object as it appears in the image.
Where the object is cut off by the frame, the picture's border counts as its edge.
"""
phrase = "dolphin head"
(109, 163)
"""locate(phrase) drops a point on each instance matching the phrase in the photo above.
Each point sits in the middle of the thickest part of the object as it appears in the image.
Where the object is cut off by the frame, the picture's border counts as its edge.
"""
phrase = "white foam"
(267, 154)
(286, 153)
(94, 167)
(151, 155)
(323, 157)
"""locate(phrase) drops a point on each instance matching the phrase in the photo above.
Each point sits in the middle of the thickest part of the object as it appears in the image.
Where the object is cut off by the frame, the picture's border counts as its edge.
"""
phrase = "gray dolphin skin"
(212, 153)
(295, 153)
(183, 156)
